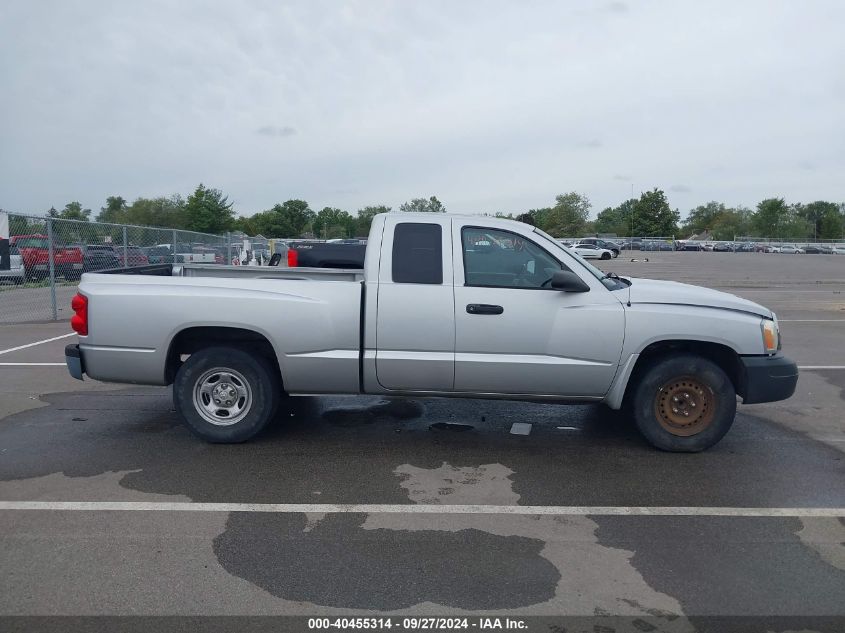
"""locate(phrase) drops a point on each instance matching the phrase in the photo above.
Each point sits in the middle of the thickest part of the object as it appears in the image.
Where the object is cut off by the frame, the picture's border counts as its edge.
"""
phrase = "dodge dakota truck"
(446, 306)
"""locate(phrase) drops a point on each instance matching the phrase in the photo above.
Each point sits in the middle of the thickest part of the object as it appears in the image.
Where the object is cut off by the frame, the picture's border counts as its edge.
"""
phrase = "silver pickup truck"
(446, 305)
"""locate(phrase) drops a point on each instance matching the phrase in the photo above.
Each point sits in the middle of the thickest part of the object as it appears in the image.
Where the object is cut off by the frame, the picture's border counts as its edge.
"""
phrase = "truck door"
(415, 329)
(514, 334)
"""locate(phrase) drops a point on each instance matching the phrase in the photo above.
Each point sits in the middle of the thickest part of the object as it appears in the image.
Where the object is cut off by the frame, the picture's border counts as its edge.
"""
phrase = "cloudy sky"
(491, 106)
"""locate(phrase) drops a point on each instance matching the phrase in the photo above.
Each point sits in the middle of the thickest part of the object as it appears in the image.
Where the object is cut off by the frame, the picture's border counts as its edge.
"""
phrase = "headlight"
(771, 335)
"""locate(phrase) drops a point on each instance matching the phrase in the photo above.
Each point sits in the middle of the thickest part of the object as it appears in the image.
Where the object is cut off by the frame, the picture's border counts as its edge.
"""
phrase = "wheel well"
(193, 339)
(726, 358)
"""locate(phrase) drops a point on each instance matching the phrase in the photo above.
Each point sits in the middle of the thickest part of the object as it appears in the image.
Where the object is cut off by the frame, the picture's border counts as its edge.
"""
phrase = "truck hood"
(672, 292)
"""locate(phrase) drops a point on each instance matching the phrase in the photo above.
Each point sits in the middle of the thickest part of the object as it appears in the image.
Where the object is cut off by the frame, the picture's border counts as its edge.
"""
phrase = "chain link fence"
(788, 240)
(750, 244)
(663, 243)
(47, 256)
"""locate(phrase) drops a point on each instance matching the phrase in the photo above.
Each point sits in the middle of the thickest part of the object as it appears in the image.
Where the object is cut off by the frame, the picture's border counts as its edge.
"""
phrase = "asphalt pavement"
(361, 506)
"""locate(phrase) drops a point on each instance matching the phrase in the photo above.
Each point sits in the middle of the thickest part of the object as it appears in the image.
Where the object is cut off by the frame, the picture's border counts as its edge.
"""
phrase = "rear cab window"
(417, 253)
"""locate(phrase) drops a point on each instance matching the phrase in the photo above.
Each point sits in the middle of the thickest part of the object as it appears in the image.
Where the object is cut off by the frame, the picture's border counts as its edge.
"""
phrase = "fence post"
(174, 247)
(52, 258)
(125, 249)
(228, 248)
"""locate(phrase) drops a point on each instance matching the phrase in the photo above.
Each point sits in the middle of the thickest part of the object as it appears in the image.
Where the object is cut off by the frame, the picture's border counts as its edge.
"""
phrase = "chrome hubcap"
(222, 396)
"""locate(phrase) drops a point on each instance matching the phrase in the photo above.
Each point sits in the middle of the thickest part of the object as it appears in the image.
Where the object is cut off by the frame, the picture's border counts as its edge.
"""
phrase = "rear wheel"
(225, 395)
(605, 255)
(684, 403)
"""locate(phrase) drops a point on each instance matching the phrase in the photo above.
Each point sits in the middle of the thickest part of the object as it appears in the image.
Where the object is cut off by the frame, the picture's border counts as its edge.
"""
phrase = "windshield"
(610, 284)
(32, 242)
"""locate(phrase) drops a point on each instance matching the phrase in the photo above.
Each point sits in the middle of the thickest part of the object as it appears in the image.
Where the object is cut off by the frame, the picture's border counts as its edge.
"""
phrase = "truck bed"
(314, 328)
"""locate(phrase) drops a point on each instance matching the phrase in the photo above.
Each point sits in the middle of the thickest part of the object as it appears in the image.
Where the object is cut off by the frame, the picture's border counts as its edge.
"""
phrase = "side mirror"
(568, 281)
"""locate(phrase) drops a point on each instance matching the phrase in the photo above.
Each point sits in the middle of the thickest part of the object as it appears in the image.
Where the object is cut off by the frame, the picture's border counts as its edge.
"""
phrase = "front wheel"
(225, 395)
(684, 404)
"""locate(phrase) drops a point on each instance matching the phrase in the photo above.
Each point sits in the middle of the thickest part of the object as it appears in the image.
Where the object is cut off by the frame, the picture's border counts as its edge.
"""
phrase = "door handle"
(484, 308)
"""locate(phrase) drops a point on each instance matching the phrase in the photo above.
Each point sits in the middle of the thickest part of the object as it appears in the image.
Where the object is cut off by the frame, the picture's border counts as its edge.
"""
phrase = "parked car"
(689, 246)
(723, 247)
(158, 254)
(130, 256)
(511, 314)
(634, 244)
(600, 243)
(656, 245)
(838, 250)
(591, 251)
(35, 252)
(97, 257)
(791, 249)
(325, 255)
(744, 247)
(16, 273)
(773, 248)
(818, 249)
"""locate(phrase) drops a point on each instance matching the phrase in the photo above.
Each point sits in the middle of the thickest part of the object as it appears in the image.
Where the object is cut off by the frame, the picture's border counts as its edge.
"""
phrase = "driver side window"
(501, 259)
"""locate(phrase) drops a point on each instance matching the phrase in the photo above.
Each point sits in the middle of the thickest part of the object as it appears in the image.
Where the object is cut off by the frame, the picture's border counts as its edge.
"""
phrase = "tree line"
(651, 216)
(208, 210)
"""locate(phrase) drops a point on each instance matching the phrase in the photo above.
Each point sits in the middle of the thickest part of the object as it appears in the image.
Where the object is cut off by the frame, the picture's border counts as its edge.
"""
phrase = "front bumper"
(73, 360)
(768, 378)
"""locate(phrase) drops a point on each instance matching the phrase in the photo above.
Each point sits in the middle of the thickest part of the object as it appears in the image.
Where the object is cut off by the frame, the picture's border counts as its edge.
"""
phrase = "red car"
(35, 254)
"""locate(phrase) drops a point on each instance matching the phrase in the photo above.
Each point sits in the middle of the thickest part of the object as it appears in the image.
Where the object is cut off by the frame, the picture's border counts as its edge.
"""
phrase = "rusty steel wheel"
(685, 406)
(682, 402)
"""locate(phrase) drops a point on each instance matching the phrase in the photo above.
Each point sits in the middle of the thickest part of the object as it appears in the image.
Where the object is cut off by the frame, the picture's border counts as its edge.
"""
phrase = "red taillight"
(79, 321)
(293, 258)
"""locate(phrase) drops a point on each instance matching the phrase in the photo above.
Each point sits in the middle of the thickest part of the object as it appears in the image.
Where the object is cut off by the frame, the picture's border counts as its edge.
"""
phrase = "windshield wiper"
(615, 277)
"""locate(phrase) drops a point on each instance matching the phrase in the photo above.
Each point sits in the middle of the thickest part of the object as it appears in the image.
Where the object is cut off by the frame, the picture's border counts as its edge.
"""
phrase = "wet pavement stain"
(732, 558)
(385, 410)
(336, 563)
(835, 379)
(450, 426)
(135, 430)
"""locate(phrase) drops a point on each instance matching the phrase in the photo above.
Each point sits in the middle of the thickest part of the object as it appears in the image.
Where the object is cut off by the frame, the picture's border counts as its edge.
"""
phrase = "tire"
(699, 387)
(605, 255)
(248, 383)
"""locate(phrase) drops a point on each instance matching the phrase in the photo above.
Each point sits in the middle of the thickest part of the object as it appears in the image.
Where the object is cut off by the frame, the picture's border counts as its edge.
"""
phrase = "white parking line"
(46, 340)
(811, 320)
(821, 366)
(365, 508)
(33, 365)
